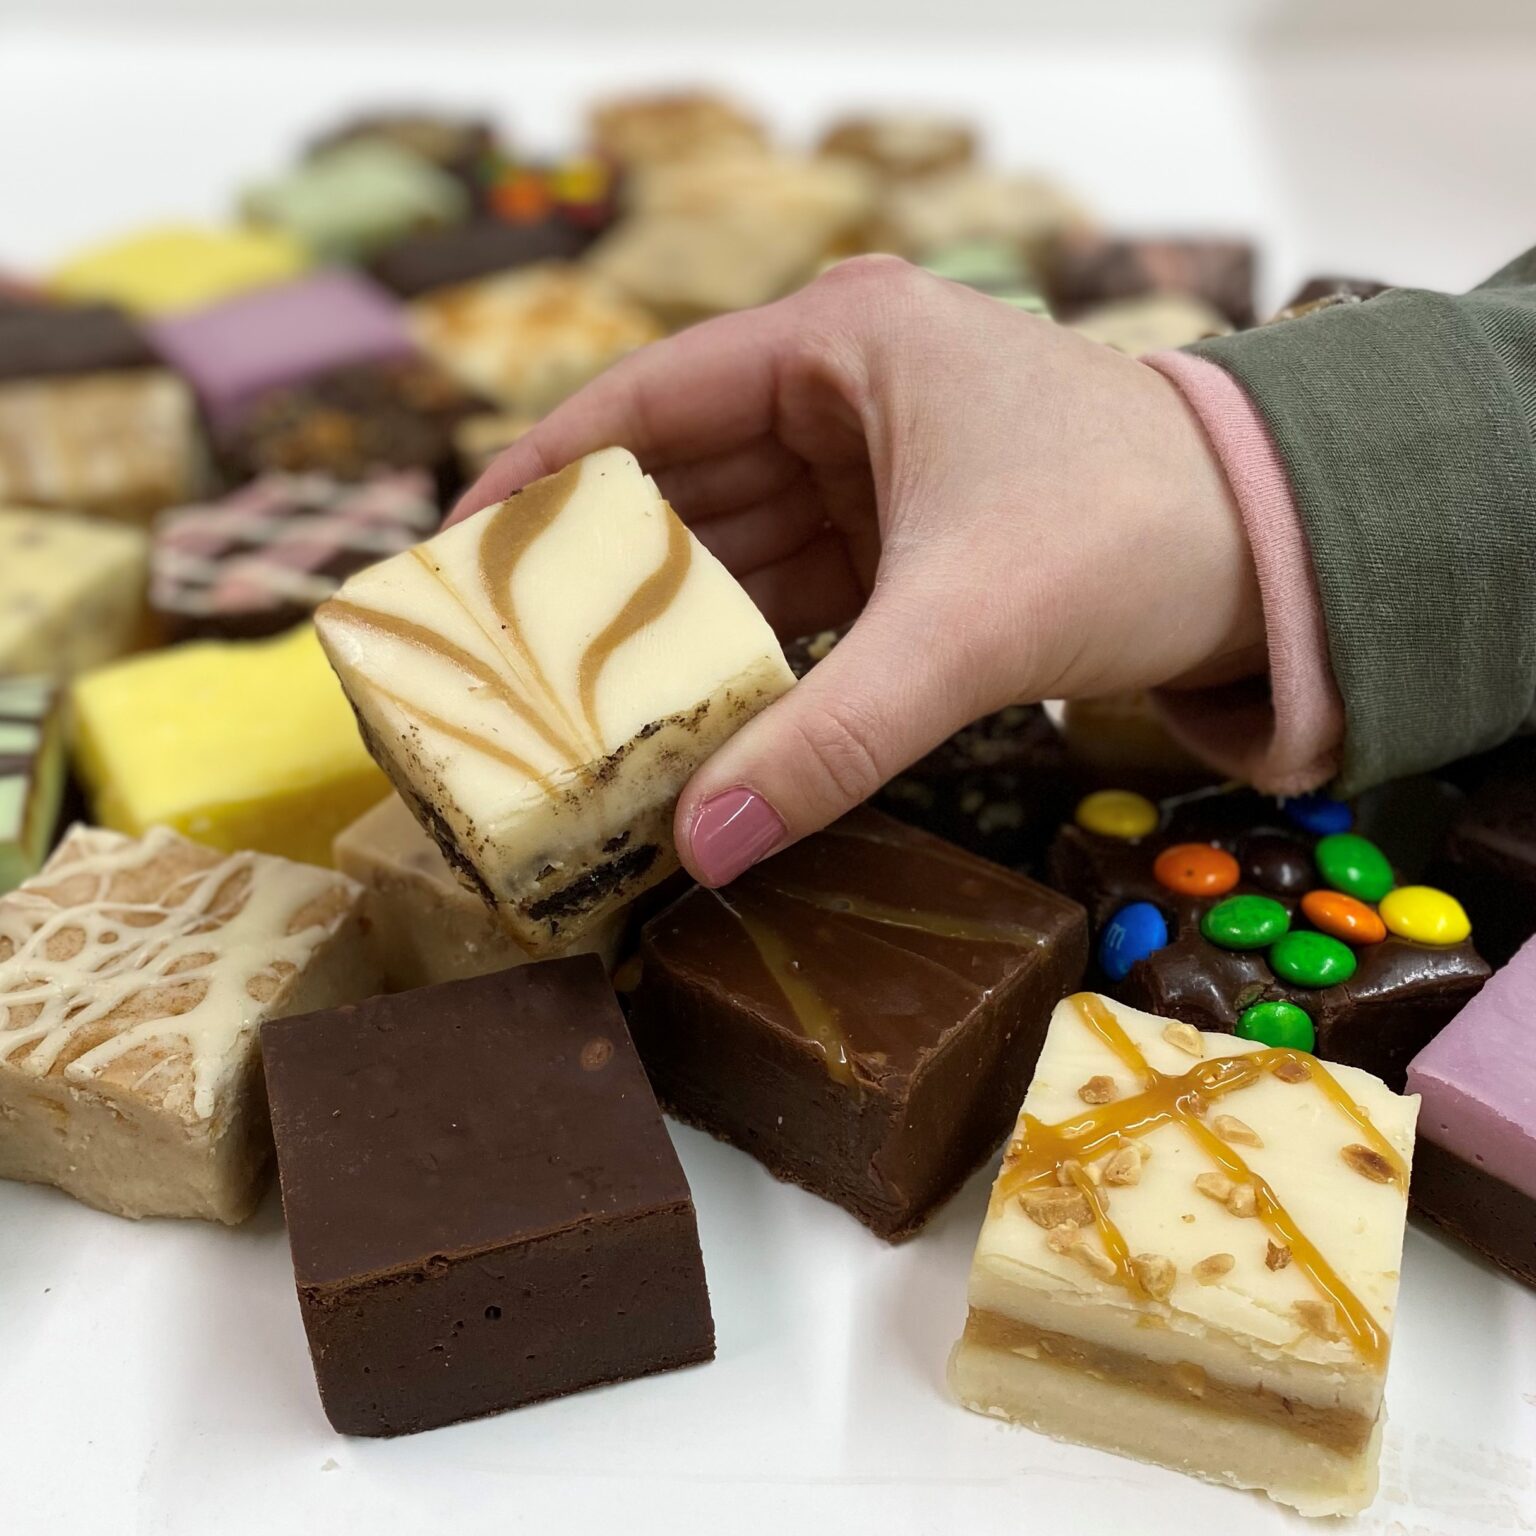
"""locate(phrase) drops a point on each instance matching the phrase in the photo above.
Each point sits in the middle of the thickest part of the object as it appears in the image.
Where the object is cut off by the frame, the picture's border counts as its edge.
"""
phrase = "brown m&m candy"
(1275, 863)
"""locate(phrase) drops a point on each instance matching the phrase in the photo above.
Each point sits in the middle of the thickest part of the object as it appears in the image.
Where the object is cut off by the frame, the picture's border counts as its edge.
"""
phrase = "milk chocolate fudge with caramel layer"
(861, 1012)
(541, 680)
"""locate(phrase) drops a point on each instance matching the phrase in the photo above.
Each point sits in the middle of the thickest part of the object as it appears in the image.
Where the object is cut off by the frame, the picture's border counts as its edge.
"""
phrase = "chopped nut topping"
(1051, 1207)
(1186, 1038)
(1194, 1102)
(1277, 1256)
(1096, 1260)
(1190, 1377)
(1155, 1273)
(1187, 1216)
(1069, 1170)
(1317, 1317)
(1063, 1239)
(1242, 1201)
(1237, 1132)
(1369, 1163)
(1098, 1090)
(1215, 1186)
(1211, 1269)
(1293, 1071)
(1124, 1167)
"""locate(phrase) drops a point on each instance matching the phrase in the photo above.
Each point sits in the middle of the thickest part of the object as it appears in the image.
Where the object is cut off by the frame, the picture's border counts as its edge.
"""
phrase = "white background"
(153, 1377)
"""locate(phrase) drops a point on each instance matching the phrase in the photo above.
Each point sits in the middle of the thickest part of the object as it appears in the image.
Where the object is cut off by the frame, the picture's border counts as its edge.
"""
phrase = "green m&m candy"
(1278, 1024)
(1312, 959)
(1354, 865)
(1245, 922)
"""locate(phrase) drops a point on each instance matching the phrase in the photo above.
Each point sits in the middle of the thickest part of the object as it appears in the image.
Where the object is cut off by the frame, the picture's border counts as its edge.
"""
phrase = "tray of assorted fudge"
(1049, 1143)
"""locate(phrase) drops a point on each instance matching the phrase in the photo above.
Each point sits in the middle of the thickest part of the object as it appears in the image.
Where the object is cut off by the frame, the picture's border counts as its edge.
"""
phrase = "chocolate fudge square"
(483, 1204)
(861, 1012)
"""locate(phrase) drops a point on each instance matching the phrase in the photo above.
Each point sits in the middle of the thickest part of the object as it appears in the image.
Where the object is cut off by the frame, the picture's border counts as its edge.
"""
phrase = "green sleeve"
(1407, 426)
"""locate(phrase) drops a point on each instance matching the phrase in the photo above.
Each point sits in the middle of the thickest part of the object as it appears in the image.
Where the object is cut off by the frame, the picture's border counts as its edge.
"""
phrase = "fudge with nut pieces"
(1191, 1257)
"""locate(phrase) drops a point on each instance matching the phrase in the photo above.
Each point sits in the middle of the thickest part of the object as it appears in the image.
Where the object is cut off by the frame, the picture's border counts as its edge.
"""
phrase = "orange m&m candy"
(1344, 917)
(1196, 869)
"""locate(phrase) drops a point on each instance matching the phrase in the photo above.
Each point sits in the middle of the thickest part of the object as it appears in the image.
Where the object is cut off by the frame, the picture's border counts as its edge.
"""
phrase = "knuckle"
(844, 763)
(874, 272)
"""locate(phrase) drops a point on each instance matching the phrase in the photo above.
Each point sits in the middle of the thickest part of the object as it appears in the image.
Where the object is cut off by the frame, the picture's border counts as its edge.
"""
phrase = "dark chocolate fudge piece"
(1328, 293)
(440, 258)
(483, 1204)
(1216, 907)
(1085, 268)
(39, 341)
(998, 788)
(861, 1012)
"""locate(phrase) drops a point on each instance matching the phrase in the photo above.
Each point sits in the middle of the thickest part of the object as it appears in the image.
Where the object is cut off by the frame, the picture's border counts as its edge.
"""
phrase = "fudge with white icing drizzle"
(541, 680)
(134, 975)
(31, 773)
(1191, 1256)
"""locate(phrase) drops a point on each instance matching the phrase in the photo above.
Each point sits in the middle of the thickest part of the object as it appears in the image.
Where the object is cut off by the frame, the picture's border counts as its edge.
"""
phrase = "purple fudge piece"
(237, 351)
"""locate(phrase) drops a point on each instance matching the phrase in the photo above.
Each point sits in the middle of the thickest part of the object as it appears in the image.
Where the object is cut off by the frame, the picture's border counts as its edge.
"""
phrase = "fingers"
(814, 588)
(764, 534)
(887, 694)
(729, 482)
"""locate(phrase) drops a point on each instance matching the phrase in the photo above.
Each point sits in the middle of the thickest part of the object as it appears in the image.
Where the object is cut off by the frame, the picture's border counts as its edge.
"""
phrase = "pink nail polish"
(731, 831)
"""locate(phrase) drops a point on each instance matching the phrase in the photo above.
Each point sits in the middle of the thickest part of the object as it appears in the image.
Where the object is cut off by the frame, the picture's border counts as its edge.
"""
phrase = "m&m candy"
(1312, 959)
(1133, 933)
(1117, 813)
(1319, 814)
(1277, 863)
(1342, 917)
(1354, 865)
(1245, 922)
(1425, 915)
(1196, 869)
(1278, 1024)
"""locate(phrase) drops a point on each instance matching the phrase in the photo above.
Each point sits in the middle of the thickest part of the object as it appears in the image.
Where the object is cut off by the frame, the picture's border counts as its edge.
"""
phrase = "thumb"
(886, 695)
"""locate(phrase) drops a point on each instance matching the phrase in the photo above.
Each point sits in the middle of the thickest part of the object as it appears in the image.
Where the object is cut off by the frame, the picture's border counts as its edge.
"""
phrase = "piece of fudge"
(1086, 267)
(242, 745)
(1475, 1171)
(71, 591)
(994, 267)
(998, 788)
(345, 203)
(931, 213)
(861, 1012)
(481, 440)
(646, 130)
(444, 258)
(902, 145)
(134, 974)
(581, 192)
(355, 422)
(458, 145)
(1319, 293)
(425, 924)
(1120, 739)
(123, 443)
(1154, 322)
(260, 560)
(488, 1211)
(1274, 920)
(1191, 1257)
(233, 353)
(529, 339)
(47, 340)
(31, 774)
(173, 267)
(541, 680)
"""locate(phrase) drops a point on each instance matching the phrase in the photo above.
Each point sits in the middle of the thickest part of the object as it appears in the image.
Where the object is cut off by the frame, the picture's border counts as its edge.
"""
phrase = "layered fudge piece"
(491, 1212)
(528, 339)
(1276, 921)
(235, 352)
(173, 267)
(998, 788)
(1475, 1171)
(902, 145)
(541, 680)
(261, 560)
(243, 745)
(1191, 1257)
(684, 125)
(1087, 267)
(42, 341)
(444, 258)
(71, 591)
(458, 145)
(425, 924)
(31, 774)
(994, 267)
(1155, 322)
(134, 974)
(860, 1013)
(349, 201)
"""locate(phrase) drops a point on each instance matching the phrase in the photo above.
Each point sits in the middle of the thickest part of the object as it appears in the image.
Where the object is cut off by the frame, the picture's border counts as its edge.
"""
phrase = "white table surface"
(153, 1376)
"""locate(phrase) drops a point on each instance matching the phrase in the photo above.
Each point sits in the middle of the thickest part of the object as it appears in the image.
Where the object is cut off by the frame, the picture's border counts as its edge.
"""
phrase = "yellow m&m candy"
(1117, 813)
(1425, 915)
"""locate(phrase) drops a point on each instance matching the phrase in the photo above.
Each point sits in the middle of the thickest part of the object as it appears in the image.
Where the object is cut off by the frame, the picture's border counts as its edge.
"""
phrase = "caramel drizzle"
(945, 927)
(649, 601)
(1178, 1099)
(464, 736)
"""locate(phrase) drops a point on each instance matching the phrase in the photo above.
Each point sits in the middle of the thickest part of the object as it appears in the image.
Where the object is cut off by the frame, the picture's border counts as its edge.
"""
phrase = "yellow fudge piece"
(175, 266)
(246, 745)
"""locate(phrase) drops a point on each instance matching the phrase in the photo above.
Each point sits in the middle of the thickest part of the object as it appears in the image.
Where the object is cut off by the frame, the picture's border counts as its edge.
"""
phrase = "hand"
(1014, 512)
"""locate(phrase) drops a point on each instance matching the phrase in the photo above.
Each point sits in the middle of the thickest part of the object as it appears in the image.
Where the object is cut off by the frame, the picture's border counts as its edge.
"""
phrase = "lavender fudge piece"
(1476, 1172)
(235, 352)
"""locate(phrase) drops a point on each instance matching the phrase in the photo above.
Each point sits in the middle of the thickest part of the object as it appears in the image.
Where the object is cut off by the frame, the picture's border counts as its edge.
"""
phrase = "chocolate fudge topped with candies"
(1275, 921)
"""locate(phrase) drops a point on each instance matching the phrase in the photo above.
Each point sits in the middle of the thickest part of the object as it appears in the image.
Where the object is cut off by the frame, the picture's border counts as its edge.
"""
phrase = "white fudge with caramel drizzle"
(541, 680)
(134, 976)
(1191, 1257)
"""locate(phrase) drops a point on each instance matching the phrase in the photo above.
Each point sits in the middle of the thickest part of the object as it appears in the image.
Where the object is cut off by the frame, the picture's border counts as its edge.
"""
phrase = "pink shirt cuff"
(1282, 735)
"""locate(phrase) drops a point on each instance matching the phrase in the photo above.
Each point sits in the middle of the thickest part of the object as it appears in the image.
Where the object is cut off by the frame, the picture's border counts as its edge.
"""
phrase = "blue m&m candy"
(1319, 814)
(1133, 933)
